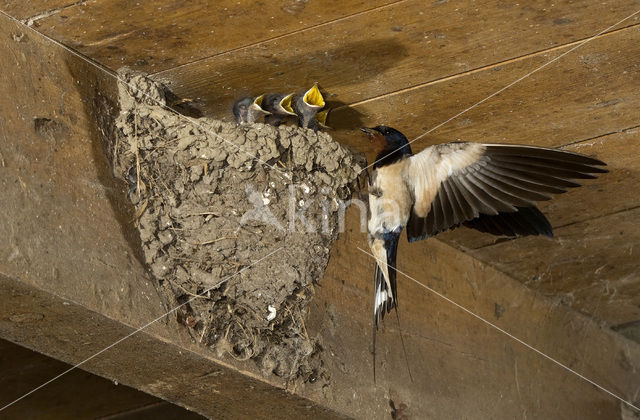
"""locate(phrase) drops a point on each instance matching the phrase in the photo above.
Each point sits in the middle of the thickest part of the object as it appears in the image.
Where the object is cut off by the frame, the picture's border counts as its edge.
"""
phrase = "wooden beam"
(70, 239)
(77, 395)
(399, 47)
(590, 265)
(159, 366)
(34, 10)
(157, 35)
(587, 93)
(461, 366)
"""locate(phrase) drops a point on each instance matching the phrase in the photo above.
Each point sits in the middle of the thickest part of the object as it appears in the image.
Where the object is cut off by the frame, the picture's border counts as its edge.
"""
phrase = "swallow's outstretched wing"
(489, 187)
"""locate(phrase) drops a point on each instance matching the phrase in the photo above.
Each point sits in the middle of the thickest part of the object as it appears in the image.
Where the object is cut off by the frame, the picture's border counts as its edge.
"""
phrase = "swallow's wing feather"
(454, 183)
(525, 221)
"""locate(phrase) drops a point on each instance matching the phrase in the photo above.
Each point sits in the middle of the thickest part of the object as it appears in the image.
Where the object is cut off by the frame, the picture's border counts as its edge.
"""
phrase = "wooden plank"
(589, 92)
(462, 367)
(78, 395)
(392, 49)
(610, 193)
(160, 34)
(23, 10)
(159, 365)
(590, 265)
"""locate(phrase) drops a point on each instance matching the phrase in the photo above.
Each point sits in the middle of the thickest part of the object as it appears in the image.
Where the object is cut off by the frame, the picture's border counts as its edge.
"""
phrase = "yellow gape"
(285, 103)
(321, 117)
(313, 97)
(258, 100)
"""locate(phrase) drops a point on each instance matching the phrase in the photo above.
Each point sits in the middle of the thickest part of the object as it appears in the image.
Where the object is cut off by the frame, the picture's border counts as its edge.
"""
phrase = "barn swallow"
(249, 110)
(279, 106)
(307, 106)
(489, 187)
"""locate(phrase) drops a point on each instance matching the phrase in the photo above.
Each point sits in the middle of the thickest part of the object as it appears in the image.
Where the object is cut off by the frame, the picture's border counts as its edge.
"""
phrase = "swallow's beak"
(257, 105)
(286, 104)
(313, 97)
(370, 132)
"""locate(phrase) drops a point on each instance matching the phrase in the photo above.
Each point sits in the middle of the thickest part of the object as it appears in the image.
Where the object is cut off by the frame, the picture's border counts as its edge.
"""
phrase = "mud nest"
(211, 201)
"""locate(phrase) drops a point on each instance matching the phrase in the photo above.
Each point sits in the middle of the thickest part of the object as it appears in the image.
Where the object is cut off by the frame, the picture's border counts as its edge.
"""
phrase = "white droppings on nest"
(272, 313)
(305, 188)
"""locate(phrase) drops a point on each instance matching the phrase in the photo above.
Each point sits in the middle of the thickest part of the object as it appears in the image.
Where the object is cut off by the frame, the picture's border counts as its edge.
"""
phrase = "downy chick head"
(307, 106)
(249, 110)
(280, 106)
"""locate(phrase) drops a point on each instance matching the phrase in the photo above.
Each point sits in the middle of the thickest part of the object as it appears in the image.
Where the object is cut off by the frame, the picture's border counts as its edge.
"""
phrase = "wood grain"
(159, 34)
(462, 367)
(23, 10)
(391, 49)
(590, 265)
(592, 91)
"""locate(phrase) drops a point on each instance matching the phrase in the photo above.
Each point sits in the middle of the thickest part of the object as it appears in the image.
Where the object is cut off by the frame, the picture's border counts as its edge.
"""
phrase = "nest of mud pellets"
(212, 200)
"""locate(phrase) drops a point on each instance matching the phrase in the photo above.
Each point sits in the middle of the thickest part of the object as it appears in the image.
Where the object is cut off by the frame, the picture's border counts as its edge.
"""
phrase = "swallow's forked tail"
(385, 287)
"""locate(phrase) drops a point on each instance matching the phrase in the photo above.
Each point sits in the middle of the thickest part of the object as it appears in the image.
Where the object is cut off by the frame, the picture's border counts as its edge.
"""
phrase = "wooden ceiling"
(414, 65)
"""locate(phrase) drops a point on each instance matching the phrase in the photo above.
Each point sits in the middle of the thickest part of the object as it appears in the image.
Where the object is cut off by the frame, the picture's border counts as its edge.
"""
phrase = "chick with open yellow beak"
(279, 106)
(307, 107)
(249, 110)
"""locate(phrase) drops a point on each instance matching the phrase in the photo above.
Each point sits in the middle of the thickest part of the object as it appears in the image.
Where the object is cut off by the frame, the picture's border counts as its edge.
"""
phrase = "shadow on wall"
(215, 84)
(99, 91)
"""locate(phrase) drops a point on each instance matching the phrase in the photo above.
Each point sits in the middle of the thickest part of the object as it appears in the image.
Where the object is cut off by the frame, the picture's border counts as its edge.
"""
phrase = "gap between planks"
(47, 13)
(487, 67)
(275, 38)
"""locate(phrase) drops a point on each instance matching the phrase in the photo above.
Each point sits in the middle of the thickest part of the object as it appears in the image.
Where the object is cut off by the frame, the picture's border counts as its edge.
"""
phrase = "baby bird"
(320, 121)
(248, 110)
(489, 187)
(307, 106)
(279, 106)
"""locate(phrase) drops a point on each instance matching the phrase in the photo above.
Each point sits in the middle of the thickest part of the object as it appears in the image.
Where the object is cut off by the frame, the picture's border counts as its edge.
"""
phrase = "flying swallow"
(279, 106)
(489, 187)
(307, 106)
(249, 110)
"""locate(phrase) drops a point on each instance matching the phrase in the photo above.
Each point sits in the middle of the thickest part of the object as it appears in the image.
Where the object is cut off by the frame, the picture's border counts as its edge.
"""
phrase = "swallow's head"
(256, 105)
(285, 105)
(313, 98)
(255, 111)
(385, 138)
(248, 110)
(241, 110)
(307, 106)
